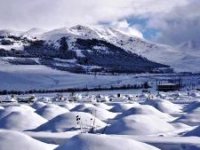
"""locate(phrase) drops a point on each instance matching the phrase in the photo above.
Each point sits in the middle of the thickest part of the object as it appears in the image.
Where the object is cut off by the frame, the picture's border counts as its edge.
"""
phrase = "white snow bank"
(103, 105)
(56, 138)
(190, 118)
(68, 121)
(164, 106)
(194, 132)
(69, 106)
(139, 125)
(103, 142)
(146, 110)
(27, 107)
(21, 120)
(100, 113)
(12, 140)
(7, 110)
(195, 94)
(83, 106)
(38, 105)
(1, 108)
(192, 106)
(50, 111)
(181, 126)
(120, 107)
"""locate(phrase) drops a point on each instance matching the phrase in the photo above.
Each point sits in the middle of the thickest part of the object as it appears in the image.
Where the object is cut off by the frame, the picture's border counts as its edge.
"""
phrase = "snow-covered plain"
(164, 121)
(28, 77)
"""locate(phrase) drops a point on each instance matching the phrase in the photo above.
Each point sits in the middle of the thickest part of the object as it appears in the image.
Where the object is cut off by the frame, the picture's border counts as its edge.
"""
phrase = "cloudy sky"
(166, 21)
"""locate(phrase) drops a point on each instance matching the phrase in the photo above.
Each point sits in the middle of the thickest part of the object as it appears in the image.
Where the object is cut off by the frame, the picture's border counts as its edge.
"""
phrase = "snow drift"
(50, 111)
(12, 140)
(102, 142)
(68, 121)
(21, 120)
(164, 106)
(139, 125)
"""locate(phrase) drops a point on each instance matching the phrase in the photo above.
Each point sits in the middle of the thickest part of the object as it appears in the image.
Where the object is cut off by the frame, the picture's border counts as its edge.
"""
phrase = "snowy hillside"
(77, 49)
(98, 48)
(179, 60)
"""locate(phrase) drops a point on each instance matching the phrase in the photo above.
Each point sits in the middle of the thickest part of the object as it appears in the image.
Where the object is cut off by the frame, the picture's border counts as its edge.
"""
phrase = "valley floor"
(30, 77)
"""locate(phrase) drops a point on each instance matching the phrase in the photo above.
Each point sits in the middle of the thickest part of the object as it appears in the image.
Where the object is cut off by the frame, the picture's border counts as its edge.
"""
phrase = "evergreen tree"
(63, 45)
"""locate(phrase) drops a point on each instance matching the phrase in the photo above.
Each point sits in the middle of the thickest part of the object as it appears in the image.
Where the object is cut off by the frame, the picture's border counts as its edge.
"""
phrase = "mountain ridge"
(129, 44)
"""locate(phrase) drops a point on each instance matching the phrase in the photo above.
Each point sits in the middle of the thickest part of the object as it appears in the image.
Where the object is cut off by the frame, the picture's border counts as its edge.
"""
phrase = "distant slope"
(111, 50)
(178, 58)
(78, 49)
(28, 77)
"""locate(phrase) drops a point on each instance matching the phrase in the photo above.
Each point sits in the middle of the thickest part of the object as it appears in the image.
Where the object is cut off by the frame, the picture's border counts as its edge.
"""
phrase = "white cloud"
(24, 14)
(126, 28)
(179, 25)
(176, 20)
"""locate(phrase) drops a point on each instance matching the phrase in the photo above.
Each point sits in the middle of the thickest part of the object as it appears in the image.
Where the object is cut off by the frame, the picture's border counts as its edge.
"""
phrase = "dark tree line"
(63, 45)
(86, 89)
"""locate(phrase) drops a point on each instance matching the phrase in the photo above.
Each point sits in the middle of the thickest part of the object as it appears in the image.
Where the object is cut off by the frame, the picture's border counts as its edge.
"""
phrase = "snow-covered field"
(96, 120)
(167, 121)
(28, 77)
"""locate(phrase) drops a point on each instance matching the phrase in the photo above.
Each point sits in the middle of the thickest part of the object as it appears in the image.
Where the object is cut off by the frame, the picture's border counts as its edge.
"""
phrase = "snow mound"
(81, 107)
(12, 140)
(146, 110)
(69, 106)
(50, 111)
(164, 106)
(68, 121)
(120, 107)
(103, 106)
(100, 113)
(1, 108)
(11, 109)
(21, 120)
(191, 118)
(103, 142)
(192, 106)
(194, 132)
(195, 94)
(179, 125)
(38, 105)
(27, 107)
(139, 125)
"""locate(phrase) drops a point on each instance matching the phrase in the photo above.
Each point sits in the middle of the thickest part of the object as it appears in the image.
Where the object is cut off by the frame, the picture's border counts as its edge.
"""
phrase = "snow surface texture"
(12, 140)
(67, 122)
(21, 121)
(50, 111)
(139, 125)
(164, 106)
(102, 142)
(139, 122)
(28, 77)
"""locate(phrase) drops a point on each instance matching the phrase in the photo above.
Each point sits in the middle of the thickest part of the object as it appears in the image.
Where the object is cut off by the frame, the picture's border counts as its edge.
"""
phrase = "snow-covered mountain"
(77, 49)
(191, 45)
(99, 48)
